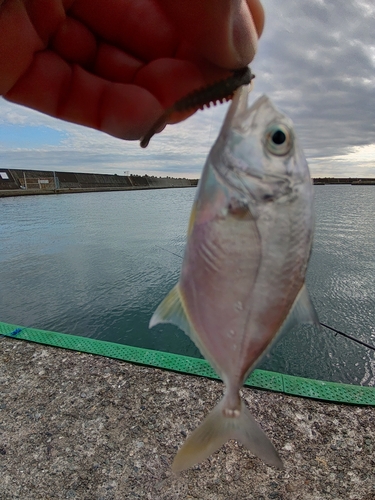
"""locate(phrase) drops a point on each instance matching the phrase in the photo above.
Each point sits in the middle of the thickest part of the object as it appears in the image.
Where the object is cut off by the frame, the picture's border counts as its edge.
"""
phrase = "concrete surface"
(76, 426)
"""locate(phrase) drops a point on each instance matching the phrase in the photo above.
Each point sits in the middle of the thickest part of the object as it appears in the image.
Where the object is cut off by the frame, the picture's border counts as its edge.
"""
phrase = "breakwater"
(17, 182)
(355, 181)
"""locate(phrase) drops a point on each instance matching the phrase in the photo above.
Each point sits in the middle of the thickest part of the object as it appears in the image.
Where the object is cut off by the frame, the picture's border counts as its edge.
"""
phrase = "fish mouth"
(236, 108)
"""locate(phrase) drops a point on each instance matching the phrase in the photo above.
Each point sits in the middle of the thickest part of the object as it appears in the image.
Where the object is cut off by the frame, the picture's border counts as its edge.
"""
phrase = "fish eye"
(278, 139)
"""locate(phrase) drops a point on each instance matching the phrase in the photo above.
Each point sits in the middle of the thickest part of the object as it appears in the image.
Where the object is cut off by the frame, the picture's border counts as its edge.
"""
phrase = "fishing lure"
(220, 91)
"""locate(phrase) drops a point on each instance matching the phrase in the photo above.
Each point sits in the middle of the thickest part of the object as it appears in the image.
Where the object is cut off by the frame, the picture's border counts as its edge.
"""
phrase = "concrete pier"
(78, 426)
(15, 182)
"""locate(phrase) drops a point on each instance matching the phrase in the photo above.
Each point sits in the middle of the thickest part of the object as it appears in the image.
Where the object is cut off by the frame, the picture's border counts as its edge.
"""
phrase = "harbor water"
(98, 264)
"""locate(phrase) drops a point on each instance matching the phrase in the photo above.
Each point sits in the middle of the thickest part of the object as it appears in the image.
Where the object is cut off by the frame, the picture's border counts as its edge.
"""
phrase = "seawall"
(354, 181)
(14, 182)
(18, 182)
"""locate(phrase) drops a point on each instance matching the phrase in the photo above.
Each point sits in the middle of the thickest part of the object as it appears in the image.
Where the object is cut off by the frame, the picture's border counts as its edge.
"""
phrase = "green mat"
(317, 389)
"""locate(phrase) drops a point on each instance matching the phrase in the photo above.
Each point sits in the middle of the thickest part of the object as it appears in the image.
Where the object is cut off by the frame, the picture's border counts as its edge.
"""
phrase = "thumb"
(223, 31)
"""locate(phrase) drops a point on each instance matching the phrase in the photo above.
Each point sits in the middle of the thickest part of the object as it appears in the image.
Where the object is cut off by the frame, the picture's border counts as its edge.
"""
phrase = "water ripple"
(98, 264)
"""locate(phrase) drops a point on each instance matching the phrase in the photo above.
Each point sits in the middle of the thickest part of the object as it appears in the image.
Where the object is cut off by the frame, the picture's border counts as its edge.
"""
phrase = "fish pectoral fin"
(216, 429)
(302, 311)
(171, 310)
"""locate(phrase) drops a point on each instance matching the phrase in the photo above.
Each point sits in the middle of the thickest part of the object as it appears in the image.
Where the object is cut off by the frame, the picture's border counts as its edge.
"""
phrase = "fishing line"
(360, 342)
(165, 250)
(349, 337)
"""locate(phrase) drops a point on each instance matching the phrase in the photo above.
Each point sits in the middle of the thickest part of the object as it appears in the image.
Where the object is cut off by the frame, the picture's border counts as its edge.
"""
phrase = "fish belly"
(239, 280)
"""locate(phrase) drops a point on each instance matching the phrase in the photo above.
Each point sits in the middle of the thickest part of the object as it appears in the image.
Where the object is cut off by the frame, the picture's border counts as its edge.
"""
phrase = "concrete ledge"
(31, 182)
(33, 192)
(85, 427)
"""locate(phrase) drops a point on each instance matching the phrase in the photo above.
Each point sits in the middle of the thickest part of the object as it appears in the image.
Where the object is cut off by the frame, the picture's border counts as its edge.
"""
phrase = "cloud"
(358, 158)
(180, 150)
(321, 72)
(316, 61)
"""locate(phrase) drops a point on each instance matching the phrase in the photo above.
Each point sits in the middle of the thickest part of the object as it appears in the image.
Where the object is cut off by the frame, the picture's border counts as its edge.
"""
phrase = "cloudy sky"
(316, 61)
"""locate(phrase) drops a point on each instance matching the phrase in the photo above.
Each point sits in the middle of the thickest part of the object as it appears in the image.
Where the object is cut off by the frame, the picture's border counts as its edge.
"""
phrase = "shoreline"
(86, 427)
(17, 182)
(37, 192)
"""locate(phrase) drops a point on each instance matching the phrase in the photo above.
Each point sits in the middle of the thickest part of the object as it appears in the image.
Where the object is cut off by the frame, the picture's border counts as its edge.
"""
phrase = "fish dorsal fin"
(171, 310)
(302, 311)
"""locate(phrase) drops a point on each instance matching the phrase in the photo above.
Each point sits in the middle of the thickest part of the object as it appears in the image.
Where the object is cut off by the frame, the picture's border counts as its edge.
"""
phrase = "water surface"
(98, 264)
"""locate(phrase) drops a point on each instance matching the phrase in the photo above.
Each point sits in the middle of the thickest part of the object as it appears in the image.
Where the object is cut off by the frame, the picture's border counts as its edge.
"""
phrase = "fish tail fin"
(216, 429)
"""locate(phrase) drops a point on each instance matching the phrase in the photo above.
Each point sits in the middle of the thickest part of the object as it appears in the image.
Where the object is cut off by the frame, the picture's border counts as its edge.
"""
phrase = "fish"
(242, 280)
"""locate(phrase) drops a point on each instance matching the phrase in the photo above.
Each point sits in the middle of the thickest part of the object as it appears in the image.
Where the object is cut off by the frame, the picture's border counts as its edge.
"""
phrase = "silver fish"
(242, 279)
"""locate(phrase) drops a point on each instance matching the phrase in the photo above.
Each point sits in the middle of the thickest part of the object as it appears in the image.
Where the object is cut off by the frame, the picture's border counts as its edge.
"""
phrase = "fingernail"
(244, 35)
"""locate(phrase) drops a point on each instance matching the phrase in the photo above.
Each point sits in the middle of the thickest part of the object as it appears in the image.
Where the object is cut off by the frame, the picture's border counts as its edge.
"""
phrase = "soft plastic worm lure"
(219, 91)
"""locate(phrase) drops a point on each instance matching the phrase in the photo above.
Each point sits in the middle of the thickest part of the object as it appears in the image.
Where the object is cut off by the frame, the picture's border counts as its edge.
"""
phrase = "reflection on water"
(93, 264)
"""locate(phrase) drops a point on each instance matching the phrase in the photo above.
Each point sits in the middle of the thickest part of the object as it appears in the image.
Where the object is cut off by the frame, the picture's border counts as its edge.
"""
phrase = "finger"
(223, 31)
(169, 79)
(74, 42)
(18, 42)
(66, 91)
(140, 28)
(257, 14)
(54, 87)
(115, 65)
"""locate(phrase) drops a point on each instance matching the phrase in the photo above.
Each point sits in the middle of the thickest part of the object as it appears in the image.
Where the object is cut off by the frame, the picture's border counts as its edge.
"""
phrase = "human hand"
(115, 65)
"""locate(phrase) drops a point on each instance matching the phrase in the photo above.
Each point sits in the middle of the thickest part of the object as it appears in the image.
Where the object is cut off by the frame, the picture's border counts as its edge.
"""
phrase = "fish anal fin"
(216, 429)
(302, 311)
